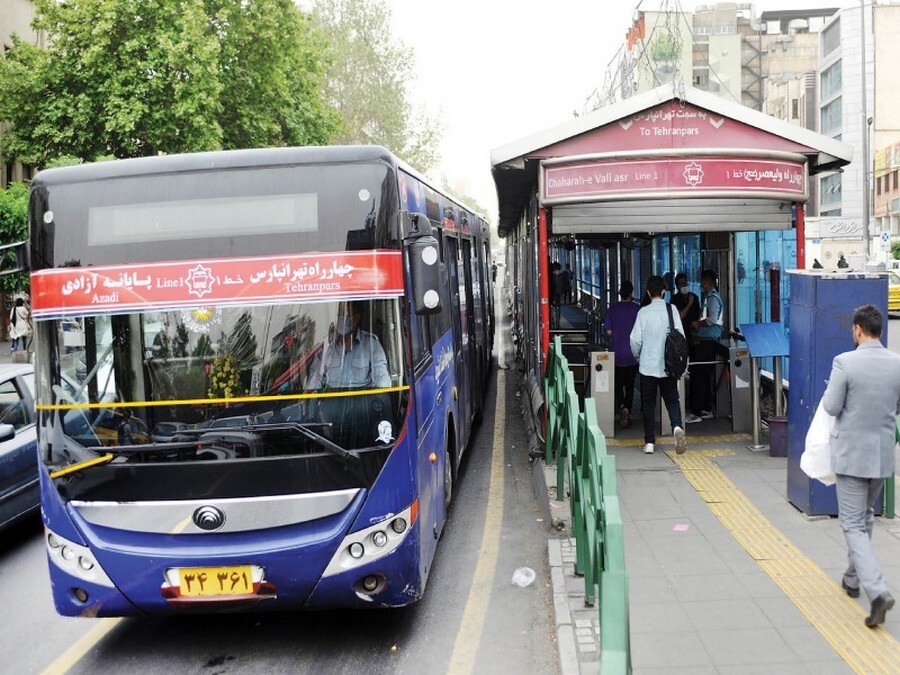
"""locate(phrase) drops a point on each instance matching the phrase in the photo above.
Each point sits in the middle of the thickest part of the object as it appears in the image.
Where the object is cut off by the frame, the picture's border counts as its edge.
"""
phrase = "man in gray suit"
(863, 394)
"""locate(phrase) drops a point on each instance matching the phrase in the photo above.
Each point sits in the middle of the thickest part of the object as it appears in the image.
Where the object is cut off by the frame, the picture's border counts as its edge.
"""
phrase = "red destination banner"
(616, 179)
(226, 281)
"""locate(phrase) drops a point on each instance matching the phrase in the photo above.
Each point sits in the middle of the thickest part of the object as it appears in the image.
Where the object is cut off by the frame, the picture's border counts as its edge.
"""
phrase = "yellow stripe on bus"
(217, 401)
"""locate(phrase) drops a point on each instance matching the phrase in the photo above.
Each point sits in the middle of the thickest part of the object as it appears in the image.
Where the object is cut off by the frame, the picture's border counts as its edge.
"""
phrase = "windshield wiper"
(305, 430)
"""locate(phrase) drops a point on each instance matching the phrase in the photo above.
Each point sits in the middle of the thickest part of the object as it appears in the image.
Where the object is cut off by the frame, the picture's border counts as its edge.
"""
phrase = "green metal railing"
(578, 446)
(889, 483)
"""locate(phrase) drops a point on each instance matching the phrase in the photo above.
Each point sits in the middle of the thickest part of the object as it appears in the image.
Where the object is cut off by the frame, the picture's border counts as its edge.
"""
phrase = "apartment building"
(15, 19)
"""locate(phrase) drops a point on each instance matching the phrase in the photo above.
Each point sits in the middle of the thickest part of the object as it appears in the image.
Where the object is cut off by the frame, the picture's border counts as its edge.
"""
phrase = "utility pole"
(864, 127)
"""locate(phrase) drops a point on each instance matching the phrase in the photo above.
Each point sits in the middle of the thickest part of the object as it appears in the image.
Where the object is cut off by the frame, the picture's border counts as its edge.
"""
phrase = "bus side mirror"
(425, 273)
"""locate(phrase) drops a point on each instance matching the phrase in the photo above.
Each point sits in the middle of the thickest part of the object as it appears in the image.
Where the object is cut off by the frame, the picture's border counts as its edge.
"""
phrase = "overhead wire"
(672, 25)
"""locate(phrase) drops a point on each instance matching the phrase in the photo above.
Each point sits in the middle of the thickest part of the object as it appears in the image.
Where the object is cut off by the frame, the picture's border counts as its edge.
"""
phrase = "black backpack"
(676, 349)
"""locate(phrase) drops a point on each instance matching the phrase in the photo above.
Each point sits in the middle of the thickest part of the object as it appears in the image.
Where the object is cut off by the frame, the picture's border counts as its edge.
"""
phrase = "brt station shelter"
(672, 180)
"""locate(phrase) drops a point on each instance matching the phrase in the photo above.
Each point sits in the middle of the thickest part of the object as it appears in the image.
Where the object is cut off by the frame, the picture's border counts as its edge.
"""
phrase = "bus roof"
(220, 159)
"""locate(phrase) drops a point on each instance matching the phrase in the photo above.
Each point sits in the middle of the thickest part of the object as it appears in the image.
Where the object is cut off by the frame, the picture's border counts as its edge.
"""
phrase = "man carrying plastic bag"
(863, 395)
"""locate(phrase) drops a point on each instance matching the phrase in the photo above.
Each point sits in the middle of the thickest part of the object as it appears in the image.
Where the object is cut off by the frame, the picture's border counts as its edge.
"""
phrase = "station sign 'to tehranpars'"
(673, 151)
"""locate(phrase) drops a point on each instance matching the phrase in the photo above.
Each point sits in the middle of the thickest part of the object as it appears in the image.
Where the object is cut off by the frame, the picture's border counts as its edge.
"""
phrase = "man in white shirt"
(648, 343)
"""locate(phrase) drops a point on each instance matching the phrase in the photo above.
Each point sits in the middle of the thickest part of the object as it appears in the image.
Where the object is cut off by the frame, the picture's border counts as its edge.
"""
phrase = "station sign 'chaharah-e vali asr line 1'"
(613, 179)
(190, 283)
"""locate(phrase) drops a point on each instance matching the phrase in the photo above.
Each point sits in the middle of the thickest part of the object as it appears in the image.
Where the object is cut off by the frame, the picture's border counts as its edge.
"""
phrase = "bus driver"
(352, 358)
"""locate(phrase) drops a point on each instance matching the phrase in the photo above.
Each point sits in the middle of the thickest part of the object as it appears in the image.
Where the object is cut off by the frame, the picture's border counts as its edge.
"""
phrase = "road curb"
(565, 631)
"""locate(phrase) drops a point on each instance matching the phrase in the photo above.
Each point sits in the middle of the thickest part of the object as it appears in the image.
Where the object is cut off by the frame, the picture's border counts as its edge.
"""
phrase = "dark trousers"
(702, 376)
(668, 387)
(625, 376)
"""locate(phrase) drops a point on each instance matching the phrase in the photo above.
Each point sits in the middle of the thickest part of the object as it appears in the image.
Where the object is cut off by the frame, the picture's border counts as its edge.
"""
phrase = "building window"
(878, 185)
(830, 189)
(894, 174)
(831, 116)
(795, 108)
(831, 38)
(831, 81)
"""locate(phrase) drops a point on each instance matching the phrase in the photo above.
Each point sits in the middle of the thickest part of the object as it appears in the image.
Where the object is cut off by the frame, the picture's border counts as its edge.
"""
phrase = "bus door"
(472, 391)
(457, 318)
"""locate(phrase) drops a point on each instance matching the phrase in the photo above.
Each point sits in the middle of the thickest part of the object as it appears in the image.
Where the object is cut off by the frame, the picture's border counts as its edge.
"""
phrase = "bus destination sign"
(234, 281)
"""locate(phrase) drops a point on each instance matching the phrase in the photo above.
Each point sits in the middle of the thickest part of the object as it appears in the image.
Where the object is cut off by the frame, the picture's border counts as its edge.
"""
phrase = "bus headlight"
(76, 560)
(372, 543)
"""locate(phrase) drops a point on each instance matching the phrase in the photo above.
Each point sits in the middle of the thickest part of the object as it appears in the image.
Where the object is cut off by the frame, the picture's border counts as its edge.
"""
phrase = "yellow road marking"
(465, 648)
(75, 653)
(217, 401)
(820, 599)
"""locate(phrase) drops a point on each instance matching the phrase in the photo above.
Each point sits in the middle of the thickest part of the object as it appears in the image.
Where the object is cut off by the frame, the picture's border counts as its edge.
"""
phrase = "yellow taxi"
(893, 291)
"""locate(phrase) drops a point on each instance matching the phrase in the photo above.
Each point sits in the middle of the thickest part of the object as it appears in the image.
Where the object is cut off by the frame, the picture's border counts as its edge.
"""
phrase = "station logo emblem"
(200, 281)
(693, 174)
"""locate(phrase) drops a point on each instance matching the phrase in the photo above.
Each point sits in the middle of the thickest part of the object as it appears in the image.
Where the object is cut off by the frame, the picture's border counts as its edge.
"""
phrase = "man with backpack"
(648, 343)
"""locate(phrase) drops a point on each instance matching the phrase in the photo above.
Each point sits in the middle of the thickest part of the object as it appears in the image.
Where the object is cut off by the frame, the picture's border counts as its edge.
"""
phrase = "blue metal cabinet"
(821, 328)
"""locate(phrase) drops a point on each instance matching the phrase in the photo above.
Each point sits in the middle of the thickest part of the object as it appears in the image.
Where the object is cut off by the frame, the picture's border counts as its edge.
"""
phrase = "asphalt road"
(472, 618)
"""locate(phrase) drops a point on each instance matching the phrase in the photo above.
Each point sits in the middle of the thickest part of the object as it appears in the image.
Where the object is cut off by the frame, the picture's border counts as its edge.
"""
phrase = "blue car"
(19, 490)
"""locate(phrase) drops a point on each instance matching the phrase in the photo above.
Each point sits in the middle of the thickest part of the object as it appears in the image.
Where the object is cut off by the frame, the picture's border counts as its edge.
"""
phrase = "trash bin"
(778, 436)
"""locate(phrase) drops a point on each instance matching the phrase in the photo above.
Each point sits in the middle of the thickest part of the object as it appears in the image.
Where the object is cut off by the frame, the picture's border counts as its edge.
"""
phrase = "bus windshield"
(284, 373)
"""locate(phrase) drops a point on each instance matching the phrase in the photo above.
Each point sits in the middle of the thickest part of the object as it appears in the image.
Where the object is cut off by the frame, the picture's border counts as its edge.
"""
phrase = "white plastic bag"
(816, 458)
(523, 576)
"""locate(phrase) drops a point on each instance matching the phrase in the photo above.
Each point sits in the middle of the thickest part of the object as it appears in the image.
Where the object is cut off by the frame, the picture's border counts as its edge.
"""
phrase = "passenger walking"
(19, 326)
(687, 304)
(863, 394)
(707, 331)
(567, 286)
(648, 343)
(618, 324)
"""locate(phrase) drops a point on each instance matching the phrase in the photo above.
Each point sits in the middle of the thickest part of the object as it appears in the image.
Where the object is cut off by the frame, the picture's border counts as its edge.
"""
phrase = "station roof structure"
(673, 145)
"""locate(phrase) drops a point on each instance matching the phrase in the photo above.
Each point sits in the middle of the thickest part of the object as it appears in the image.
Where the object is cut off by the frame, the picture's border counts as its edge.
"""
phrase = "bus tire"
(449, 472)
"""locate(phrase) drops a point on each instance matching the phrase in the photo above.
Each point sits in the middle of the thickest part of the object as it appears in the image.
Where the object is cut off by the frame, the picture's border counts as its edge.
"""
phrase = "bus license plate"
(202, 581)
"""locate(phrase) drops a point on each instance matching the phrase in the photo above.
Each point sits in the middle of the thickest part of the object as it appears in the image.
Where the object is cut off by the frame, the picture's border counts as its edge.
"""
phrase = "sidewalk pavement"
(7, 356)
(701, 599)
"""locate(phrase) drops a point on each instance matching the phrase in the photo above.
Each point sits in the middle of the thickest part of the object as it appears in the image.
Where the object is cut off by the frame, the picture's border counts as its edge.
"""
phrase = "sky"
(496, 71)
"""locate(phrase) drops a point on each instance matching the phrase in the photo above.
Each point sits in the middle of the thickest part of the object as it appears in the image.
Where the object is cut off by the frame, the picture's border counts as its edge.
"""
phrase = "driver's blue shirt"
(364, 364)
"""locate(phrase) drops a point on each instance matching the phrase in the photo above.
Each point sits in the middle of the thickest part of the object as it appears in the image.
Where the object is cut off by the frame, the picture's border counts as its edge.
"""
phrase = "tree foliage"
(13, 228)
(138, 77)
(368, 78)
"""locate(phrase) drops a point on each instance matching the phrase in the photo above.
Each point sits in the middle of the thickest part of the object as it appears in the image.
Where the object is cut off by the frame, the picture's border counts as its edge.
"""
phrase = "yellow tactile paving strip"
(821, 600)
(668, 440)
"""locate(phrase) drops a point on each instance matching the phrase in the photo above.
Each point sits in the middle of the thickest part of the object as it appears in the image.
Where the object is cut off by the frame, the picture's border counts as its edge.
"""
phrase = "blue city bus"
(257, 373)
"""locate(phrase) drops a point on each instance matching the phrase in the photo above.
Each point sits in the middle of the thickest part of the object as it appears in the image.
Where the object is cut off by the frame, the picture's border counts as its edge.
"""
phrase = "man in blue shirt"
(707, 332)
(648, 343)
(353, 359)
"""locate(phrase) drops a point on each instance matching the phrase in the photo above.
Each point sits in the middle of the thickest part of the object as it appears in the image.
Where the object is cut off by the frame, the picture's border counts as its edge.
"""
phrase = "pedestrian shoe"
(680, 440)
(880, 607)
(648, 449)
(852, 592)
(693, 419)
(624, 422)
(706, 415)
